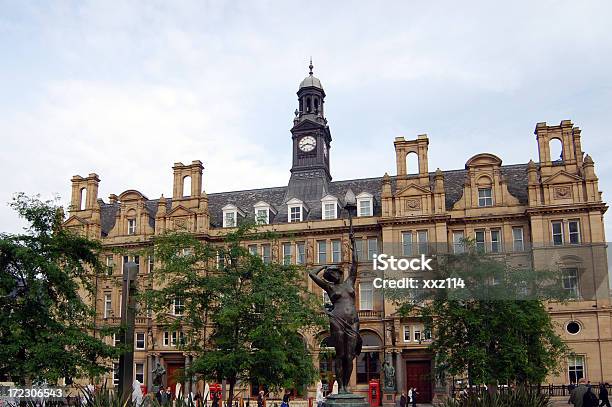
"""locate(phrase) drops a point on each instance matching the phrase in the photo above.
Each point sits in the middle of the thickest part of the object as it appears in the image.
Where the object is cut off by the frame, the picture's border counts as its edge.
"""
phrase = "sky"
(126, 89)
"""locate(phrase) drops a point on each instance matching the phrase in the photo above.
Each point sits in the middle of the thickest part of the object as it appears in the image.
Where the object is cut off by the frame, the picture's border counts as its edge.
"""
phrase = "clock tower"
(310, 133)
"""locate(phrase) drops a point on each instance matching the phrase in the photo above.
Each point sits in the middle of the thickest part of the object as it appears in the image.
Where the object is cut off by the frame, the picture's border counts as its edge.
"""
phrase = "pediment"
(131, 195)
(483, 160)
(562, 177)
(413, 190)
(75, 221)
(180, 211)
(307, 124)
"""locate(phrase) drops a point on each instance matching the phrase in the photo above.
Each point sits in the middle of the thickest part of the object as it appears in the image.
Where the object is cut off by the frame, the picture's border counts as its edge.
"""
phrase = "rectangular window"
(178, 306)
(485, 197)
(365, 207)
(407, 243)
(286, 253)
(166, 338)
(115, 374)
(517, 237)
(423, 243)
(359, 249)
(321, 251)
(116, 340)
(417, 335)
(135, 259)
(131, 226)
(110, 264)
(140, 340)
(480, 240)
(496, 245)
(108, 305)
(262, 217)
(570, 281)
(575, 367)
(173, 336)
(336, 251)
(253, 249)
(366, 295)
(427, 334)
(295, 214)
(151, 262)
(372, 247)
(557, 233)
(265, 253)
(574, 231)
(406, 333)
(329, 211)
(458, 243)
(229, 220)
(139, 372)
(300, 250)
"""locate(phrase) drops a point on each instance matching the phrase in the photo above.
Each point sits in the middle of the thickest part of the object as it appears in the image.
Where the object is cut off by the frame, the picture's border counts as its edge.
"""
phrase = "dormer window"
(329, 207)
(230, 215)
(485, 197)
(262, 212)
(295, 210)
(131, 226)
(365, 204)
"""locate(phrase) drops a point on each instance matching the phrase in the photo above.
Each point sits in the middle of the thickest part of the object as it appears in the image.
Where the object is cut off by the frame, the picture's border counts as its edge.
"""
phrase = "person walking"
(320, 398)
(589, 399)
(414, 396)
(260, 398)
(578, 393)
(403, 400)
(286, 398)
(603, 395)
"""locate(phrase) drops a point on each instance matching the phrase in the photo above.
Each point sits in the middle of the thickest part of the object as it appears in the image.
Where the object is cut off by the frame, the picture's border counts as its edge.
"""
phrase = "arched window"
(301, 105)
(308, 106)
(412, 163)
(83, 203)
(187, 186)
(369, 361)
(556, 150)
(316, 104)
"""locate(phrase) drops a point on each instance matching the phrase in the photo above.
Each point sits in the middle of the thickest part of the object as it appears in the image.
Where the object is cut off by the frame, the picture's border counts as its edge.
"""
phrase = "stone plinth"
(345, 400)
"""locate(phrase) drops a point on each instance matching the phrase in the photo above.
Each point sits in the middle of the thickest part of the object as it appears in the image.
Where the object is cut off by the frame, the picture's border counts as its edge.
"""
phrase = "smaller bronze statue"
(389, 372)
(343, 318)
(158, 373)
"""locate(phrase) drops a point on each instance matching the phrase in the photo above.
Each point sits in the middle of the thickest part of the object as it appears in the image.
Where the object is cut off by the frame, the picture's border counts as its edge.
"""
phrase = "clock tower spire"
(310, 133)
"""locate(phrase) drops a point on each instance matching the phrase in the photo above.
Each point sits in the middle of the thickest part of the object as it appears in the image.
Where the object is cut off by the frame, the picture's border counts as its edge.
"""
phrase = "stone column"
(187, 385)
(399, 373)
(149, 378)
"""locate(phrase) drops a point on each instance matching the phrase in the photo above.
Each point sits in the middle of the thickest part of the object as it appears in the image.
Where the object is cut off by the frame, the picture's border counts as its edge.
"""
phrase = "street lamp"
(350, 204)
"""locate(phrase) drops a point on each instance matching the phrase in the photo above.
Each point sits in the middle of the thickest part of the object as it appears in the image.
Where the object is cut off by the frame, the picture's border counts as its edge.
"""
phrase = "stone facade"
(541, 214)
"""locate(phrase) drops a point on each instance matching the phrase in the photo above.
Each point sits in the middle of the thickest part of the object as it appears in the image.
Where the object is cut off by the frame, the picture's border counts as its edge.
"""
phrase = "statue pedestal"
(345, 400)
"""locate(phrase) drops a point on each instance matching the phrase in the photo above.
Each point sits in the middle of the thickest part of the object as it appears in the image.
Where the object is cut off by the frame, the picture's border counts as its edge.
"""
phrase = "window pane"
(301, 257)
(286, 253)
(336, 251)
(295, 214)
(322, 251)
(262, 216)
(458, 245)
(485, 197)
(359, 249)
(253, 249)
(574, 232)
(139, 372)
(406, 333)
(329, 211)
(265, 253)
(570, 281)
(366, 299)
(480, 240)
(372, 247)
(423, 244)
(407, 243)
(365, 207)
(517, 235)
(557, 232)
(495, 241)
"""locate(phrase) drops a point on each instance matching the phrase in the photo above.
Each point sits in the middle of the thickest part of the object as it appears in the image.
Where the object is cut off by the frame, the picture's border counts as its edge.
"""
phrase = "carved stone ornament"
(412, 204)
(563, 192)
(180, 223)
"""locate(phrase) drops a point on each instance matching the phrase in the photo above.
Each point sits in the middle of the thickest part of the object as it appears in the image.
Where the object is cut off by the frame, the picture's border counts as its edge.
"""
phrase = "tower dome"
(311, 80)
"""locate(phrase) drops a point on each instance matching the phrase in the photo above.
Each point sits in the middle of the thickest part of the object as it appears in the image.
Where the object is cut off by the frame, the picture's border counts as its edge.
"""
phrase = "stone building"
(547, 213)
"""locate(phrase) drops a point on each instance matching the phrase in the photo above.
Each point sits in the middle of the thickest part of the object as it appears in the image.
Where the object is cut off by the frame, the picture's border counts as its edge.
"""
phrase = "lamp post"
(350, 205)
(128, 316)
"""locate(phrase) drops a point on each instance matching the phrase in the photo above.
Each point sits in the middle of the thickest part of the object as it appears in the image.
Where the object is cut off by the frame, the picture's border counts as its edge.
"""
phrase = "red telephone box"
(374, 393)
(215, 390)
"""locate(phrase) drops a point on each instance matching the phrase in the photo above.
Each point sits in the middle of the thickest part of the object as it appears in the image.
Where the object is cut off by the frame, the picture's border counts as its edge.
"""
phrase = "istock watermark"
(384, 262)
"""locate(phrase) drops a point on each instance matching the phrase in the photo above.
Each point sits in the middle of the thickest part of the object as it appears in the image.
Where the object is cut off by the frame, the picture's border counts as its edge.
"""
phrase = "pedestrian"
(578, 393)
(403, 400)
(169, 395)
(414, 396)
(320, 398)
(603, 395)
(286, 397)
(215, 399)
(260, 398)
(589, 399)
(160, 394)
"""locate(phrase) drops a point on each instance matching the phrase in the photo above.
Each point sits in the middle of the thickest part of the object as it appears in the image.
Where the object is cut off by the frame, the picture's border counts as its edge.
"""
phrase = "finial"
(310, 66)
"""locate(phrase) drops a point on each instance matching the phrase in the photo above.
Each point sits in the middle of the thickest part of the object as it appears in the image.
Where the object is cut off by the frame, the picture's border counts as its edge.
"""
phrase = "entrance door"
(418, 374)
(174, 372)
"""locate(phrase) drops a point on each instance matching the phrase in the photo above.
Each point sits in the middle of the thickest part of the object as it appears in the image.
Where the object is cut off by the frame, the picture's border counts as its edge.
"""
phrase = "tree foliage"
(254, 311)
(45, 276)
(496, 328)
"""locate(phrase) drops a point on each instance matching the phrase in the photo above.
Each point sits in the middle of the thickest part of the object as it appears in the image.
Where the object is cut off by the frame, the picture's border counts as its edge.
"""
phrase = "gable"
(412, 190)
(482, 160)
(131, 195)
(562, 177)
(307, 124)
(75, 221)
(180, 211)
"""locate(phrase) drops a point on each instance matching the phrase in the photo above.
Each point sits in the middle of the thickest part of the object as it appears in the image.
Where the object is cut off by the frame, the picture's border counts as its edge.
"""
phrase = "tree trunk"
(230, 395)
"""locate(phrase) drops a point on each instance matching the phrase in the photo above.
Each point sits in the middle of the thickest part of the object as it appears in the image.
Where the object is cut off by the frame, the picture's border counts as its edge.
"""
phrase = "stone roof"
(515, 176)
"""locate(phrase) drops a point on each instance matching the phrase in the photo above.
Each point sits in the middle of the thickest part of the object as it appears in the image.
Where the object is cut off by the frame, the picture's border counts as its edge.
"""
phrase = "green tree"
(494, 326)
(45, 321)
(255, 311)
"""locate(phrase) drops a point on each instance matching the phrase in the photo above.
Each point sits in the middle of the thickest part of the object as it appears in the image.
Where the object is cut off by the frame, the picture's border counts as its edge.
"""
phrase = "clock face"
(307, 143)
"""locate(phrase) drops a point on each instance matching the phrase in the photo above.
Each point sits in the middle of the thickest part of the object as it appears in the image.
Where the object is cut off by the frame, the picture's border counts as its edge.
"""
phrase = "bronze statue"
(343, 318)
